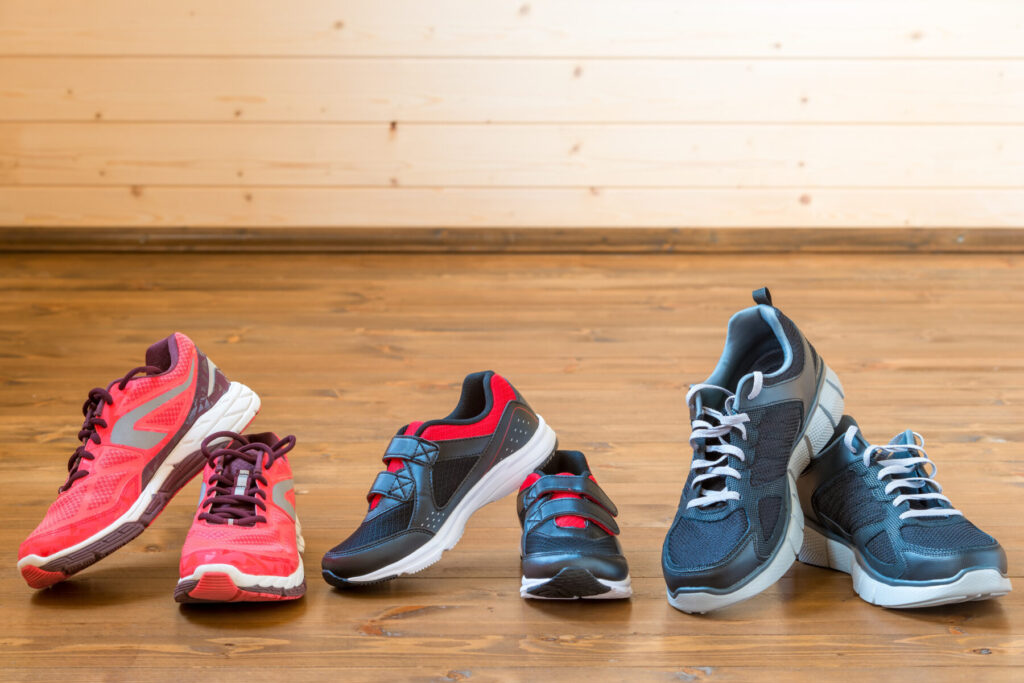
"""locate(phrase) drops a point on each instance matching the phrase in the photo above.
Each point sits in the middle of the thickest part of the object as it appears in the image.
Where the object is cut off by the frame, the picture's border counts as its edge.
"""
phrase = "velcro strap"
(391, 485)
(578, 484)
(578, 507)
(413, 449)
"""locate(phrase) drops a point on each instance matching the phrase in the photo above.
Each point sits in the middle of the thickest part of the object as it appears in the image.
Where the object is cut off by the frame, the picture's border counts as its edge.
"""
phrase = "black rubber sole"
(338, 582)
(570, 583)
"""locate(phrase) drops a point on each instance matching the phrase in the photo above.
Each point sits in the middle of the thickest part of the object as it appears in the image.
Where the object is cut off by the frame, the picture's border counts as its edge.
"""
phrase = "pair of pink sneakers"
(143, 439)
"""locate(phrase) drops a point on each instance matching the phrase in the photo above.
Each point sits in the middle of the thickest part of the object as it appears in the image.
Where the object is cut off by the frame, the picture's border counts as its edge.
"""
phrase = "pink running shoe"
(140, 445)
(245, 541)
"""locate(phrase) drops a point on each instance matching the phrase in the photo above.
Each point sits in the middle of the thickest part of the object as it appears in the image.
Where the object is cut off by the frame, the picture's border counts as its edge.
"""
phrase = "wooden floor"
(345, 349)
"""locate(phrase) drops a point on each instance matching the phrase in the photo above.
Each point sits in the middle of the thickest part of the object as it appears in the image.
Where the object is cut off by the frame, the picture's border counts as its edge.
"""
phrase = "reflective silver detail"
(212, 370)
(241, 482)
(278, 496)
(124, 432)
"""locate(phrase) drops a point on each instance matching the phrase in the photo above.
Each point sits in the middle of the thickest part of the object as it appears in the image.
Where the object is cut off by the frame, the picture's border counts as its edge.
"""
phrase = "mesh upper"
(235, 535)
(848, 502)
(540, 543)
(694, 543)
(768, 514)
(102, 487)
(373, 530)
(64, 508)
(881, 547)
(446, 475)
(956, 535)
(777, 427)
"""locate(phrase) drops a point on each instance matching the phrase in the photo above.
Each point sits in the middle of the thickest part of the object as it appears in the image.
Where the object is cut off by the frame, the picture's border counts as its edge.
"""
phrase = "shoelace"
(897, 468)
(712, 434)
(91, 409)
(230, 499)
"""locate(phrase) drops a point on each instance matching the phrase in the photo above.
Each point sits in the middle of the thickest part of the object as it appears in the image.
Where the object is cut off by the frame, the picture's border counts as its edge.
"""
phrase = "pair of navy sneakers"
(438, 473)
(779, 473)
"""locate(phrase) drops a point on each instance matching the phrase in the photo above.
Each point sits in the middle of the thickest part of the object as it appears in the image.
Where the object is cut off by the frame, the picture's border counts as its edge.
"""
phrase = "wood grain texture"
(512, 114)
(343, 349)
(139, 206)
(513, 155)
(530, 240)
(520, 28)
(509, 90)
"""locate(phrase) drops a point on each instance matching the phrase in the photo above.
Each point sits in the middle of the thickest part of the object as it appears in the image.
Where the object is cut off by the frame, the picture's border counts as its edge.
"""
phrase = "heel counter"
(211, 383)
(513, 394)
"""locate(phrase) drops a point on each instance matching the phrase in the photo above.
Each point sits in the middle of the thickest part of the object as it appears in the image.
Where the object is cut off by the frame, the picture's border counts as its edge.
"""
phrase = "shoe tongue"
(240, 470)
(237, 466)
(905, 438)
(709, 398)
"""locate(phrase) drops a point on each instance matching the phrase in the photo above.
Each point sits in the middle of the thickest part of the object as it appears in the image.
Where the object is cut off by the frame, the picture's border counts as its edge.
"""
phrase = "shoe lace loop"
(710, 433)
(91, 410)
(895, 470)
(235, 493)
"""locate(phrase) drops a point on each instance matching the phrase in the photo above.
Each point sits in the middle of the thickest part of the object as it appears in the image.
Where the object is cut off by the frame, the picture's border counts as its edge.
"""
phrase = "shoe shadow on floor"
(828, 590)
(103, 587)
(581, 610)
(88, 592)
(239, 614)
(961, 615)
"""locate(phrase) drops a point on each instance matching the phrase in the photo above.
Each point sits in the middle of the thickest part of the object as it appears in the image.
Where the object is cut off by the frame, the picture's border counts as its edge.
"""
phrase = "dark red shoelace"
(91, 409)
(224, 503)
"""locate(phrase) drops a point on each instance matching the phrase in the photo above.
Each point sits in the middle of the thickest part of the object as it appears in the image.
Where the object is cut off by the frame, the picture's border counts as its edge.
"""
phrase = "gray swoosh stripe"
(211, 370)
(124, 432)
(277, 495)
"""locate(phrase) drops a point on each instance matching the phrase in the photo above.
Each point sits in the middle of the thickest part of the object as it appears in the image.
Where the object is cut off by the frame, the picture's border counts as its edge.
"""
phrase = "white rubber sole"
(248, 581)
(502, 480)
(977, 584)
(617, 590)
(824, 417)
(233, 412)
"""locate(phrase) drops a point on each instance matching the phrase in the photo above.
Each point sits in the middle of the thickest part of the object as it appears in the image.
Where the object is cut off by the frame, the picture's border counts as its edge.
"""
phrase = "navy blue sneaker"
(770, 405)
(877, 513)
(569, 549)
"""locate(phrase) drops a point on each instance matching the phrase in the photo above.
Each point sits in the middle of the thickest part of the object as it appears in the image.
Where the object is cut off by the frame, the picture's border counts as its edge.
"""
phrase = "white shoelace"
(898, 467)
(703, 429)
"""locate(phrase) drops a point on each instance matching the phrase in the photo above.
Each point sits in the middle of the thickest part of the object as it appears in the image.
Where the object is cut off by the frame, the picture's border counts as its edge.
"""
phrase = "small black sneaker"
(877, 513)
(569, 548)
(770, 405)
(438, 474)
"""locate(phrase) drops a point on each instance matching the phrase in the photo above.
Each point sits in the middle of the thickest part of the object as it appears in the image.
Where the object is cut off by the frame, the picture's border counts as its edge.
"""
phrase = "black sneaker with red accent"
(569, 549)
(438, 474)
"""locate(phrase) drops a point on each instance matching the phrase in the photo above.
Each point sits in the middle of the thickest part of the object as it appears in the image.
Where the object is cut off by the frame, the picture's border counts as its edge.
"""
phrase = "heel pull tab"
(762, 296)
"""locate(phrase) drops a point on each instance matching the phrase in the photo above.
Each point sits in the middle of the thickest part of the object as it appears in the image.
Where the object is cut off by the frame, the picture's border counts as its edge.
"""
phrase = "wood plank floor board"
(345, 348)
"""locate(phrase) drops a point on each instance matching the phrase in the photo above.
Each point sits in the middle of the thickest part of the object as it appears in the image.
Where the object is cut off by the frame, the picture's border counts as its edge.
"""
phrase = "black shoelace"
(228, 500)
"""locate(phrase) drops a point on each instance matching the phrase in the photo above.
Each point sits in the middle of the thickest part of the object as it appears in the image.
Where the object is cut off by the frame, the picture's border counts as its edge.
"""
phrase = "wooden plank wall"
(515, 114)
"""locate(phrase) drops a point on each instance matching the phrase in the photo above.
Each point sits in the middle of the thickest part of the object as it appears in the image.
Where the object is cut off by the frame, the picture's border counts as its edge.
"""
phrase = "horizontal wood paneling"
(519, 28)
(515, 114)
(511, 90)
(445, 155)
(507, 207)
